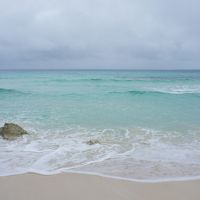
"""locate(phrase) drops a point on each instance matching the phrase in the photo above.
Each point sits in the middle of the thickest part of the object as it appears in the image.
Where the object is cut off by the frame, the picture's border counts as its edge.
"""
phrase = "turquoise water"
(143, 116)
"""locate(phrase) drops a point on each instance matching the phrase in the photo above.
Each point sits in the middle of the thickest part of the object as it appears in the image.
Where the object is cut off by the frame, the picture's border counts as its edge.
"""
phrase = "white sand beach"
(92, 187)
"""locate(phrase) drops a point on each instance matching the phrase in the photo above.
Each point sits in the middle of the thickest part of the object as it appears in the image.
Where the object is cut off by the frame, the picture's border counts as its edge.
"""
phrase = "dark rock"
(92, 142)
(11, 131)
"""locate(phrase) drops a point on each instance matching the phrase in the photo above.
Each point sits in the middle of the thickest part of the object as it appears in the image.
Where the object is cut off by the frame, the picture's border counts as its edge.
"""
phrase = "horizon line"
(89, 69)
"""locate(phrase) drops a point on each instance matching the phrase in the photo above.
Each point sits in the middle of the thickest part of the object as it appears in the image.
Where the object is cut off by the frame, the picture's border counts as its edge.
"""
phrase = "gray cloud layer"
(99, 34)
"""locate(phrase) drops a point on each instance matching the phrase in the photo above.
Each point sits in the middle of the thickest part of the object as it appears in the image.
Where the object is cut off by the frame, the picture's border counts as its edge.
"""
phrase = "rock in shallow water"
(93, 141)
(11, 131)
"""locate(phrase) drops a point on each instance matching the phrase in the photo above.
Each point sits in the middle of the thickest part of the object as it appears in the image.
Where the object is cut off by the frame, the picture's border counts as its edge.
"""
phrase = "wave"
(151, 92)
(90, 80)
(10, 91)
(75, 80)
(123, 79)
(49, 151)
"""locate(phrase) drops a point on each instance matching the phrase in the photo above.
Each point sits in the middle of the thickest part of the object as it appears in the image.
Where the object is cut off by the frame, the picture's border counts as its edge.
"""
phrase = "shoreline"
(93, 187)
(156, 180)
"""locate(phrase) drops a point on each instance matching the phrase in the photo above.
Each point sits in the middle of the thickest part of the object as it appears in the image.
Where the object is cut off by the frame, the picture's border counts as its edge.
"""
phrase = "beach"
(99, 100)
(92, 187)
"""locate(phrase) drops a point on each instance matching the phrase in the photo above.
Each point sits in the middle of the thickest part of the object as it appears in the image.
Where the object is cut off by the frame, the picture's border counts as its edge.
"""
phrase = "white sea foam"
(178, 89)
(51, 151)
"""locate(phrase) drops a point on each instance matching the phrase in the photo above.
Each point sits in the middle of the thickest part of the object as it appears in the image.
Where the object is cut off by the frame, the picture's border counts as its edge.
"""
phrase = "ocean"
(147, 122)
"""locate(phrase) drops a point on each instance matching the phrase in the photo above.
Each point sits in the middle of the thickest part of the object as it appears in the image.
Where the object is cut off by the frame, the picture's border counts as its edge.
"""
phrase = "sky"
(99, 34)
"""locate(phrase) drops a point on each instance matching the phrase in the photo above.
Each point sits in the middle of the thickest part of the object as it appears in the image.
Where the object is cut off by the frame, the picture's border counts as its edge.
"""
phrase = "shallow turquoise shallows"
(147, 122)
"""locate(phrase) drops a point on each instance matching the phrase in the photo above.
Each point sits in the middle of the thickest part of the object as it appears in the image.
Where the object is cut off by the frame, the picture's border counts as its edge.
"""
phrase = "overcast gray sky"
(100, 34)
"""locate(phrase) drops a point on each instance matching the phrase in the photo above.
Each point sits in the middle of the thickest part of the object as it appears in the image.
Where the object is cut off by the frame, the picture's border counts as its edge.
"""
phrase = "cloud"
(99, 34)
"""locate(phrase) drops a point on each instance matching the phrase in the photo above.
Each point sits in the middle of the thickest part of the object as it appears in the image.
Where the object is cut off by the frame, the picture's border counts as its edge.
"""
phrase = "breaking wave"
(143, 92)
